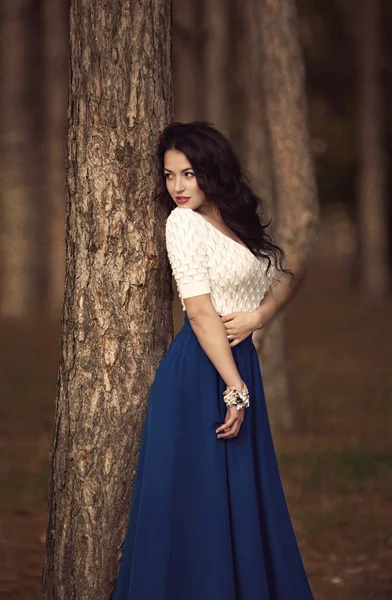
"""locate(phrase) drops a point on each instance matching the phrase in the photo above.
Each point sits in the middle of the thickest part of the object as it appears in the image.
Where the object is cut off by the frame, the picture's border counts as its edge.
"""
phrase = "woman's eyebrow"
(187, 169)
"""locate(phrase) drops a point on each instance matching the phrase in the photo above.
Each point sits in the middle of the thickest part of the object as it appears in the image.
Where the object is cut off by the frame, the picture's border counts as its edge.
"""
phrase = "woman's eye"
(167, 175)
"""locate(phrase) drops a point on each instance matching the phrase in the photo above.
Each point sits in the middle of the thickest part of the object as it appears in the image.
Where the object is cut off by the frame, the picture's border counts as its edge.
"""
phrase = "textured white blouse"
(205, 260)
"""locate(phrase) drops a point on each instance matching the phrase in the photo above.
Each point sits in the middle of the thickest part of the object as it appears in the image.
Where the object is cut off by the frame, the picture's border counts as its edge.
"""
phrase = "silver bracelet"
(233, 396)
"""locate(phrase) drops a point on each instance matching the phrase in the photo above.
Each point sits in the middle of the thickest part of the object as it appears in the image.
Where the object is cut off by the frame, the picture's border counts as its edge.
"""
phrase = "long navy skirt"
(208, 520)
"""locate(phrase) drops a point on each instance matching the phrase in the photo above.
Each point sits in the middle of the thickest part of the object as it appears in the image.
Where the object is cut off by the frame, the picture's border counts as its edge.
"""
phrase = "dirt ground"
(336, 467)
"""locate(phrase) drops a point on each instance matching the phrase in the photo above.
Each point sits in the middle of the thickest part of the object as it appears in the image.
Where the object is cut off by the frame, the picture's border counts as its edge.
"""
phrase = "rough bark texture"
(372, 200)
(116, 322)
(287, 117)
(56, 34)
(16, 244)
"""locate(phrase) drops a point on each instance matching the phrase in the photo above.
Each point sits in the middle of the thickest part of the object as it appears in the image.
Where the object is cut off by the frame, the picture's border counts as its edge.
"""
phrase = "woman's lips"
(182, 199)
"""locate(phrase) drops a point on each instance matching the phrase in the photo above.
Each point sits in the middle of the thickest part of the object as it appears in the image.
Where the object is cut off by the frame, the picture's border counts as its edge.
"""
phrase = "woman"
(208, 518)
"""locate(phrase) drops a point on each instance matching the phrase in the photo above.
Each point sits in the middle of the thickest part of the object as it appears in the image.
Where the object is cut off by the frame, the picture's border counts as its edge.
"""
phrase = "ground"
(336, 467)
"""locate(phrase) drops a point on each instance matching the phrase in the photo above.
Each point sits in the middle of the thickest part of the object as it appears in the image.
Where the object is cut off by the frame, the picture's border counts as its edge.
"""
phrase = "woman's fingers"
(235, 341)
(231, 427)
(232, 432)
(228, 424)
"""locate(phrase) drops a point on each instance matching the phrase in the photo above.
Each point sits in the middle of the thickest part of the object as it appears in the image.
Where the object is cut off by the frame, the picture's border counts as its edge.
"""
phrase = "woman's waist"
(187, 328)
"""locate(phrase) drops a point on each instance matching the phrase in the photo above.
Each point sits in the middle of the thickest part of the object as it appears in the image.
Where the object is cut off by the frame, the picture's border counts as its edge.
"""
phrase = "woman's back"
(200, 252)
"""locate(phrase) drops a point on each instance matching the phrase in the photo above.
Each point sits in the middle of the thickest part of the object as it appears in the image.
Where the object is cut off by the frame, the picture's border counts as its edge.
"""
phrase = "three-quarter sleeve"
(185, 244)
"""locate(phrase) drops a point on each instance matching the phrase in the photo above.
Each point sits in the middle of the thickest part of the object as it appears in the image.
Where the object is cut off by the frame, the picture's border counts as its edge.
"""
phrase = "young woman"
(209, 520)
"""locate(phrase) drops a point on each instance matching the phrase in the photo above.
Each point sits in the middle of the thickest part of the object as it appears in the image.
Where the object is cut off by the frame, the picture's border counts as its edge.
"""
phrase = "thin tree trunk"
(116, 322)
(187, 67)
(279, 158)
(17, 297)
(296, 208)
(216, 107)
(56, 35)
(372, 201)
(287, 116)
(269, 342)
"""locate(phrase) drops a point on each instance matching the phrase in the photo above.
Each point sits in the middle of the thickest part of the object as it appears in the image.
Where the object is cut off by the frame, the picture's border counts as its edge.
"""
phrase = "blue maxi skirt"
(208, 519)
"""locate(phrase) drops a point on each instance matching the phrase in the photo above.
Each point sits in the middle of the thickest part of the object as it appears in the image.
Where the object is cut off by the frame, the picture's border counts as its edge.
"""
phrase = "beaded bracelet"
(239, 398)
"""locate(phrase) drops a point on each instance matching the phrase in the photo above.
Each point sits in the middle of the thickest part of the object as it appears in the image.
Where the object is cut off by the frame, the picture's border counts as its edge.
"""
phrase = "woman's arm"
(211, 334)
(277, 297)
(185, 242)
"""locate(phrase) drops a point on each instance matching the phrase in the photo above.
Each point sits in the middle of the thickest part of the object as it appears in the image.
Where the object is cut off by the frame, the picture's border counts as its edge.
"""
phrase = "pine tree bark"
(116, 322)
(372, 200)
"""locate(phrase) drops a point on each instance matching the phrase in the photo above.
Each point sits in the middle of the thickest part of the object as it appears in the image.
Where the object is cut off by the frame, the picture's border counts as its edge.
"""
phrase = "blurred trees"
(187, 67)
(252, 75)
(116, 321)
(17, 233)
(215, 61)
(208, 74)
(278, 153)
(55, 82)
(349, 82)
(374, 271)
(34, 42)
(256, 152)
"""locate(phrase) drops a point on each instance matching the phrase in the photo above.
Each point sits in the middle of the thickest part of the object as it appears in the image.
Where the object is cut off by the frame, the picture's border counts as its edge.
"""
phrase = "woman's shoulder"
(182, 218)
(180, 214)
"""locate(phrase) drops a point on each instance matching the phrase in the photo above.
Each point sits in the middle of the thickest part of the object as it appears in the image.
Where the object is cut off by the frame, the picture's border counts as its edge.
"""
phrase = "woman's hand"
(239, 325)
(232, 424)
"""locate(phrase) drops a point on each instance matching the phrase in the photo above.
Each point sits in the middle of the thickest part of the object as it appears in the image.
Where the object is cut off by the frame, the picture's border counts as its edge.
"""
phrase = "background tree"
(332, 334)
(287, 117)
(55, 59)
(116, 321)
(277, 152)
(187, 67)
(374, 270)
(17, 246)
(215, 57)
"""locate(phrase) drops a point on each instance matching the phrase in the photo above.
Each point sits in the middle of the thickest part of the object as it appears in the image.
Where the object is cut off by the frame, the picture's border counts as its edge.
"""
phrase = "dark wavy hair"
(220, 176)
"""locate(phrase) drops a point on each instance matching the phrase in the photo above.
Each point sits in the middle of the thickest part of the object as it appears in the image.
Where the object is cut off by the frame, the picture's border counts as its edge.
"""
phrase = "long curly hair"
(220, 176)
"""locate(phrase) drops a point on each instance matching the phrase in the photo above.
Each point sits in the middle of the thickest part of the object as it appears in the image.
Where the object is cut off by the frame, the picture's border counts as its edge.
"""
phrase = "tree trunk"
(216, 106)
(256, 152)
(277, 151)
(56, 34)
(261, 162)
(187, 67)
(372, 201)
(287, 117)
(116, 322)
(16, 242)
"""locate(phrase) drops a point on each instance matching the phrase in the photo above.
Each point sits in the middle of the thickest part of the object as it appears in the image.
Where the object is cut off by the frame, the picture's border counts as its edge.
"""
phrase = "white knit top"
(205, 260)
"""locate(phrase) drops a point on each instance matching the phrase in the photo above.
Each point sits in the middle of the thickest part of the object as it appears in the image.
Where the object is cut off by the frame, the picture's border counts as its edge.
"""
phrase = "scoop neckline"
(218, 230)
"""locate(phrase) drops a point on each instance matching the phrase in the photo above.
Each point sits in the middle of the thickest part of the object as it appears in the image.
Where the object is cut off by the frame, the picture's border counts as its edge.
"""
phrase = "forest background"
(334, 446)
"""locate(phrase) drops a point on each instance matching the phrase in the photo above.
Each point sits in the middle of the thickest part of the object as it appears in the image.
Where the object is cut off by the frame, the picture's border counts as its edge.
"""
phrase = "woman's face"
(181, 181)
